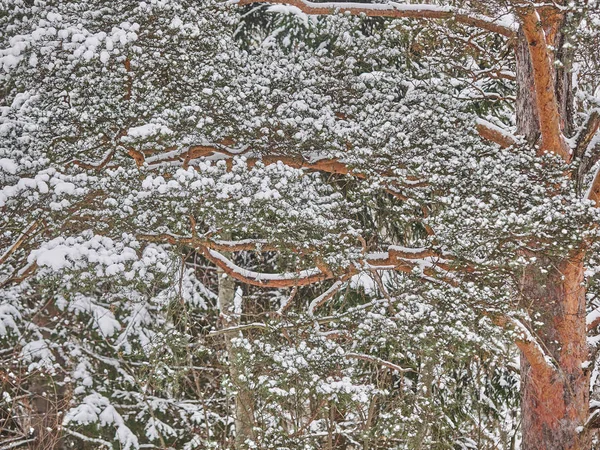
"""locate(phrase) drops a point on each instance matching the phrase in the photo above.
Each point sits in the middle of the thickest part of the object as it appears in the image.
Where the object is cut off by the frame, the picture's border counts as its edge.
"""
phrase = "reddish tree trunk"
(554, 401)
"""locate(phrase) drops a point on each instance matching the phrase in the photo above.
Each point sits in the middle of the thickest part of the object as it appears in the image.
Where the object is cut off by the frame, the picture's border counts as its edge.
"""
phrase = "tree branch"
(593, 192)
(98, 165)
(433, 266)
(395, 10)
(491, 132)
(271, 280)
(221, 151)
(587, 133)
(326, 165)
(288, 302)
(23, 238)
(255, 245)
(592, 320)
(19, 275)
(587, 152)
(329, 293)
(238, 328)
(531, 349)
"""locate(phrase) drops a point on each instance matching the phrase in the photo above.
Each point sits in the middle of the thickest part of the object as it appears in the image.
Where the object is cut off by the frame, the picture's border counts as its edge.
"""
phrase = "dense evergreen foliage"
(330, 163)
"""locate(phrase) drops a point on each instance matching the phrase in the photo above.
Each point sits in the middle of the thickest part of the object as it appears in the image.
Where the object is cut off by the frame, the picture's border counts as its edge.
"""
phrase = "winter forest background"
(237, 225)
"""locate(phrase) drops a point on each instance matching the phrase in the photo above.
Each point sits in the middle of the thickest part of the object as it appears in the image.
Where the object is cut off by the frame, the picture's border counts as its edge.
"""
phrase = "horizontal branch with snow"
(493, 133)
(430, 264)
(396, 10)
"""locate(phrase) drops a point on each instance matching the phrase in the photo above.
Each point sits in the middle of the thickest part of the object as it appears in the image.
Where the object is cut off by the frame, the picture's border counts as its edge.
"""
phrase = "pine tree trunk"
(244, 401)
(554, 403)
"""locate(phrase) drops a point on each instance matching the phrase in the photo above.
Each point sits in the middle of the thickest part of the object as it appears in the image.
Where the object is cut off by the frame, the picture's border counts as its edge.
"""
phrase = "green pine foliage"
(109, 318)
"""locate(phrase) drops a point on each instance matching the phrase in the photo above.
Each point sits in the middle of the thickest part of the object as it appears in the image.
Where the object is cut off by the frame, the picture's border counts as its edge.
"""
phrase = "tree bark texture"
(555, 400)
(244, 401)
(555, 396)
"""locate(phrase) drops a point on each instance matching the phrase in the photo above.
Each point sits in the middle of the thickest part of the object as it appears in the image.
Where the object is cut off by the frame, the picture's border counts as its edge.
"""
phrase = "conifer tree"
(390, 196)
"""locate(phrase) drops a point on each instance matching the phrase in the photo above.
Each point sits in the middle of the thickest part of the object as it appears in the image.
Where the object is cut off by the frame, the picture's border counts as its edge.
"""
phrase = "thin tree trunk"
(46, 404)
(47, 395)
(244, 401)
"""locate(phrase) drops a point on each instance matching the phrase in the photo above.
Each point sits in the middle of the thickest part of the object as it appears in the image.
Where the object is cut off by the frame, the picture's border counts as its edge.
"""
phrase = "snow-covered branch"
(329, 293)
(491, 132)
(273, 280)
(426, 262)
(256, 245)
(19, 443)
(320, 164)
(85, 438)
(429, 262)
(96, 165)
(20, 240)
(592, 320)
(238, 328)
(396, 10)
(531, 348)
(587, 133)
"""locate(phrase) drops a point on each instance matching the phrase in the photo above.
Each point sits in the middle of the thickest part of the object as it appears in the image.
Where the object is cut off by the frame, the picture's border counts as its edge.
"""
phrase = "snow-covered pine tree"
(551, 286)
(142, 140)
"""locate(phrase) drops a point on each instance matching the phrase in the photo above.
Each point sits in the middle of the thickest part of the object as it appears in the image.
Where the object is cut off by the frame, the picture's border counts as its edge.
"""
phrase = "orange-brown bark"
(491, 134)
(425, 12)
(589, 157)
(96, 166)
(555, 403)
(547, 105)
(434, 265)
